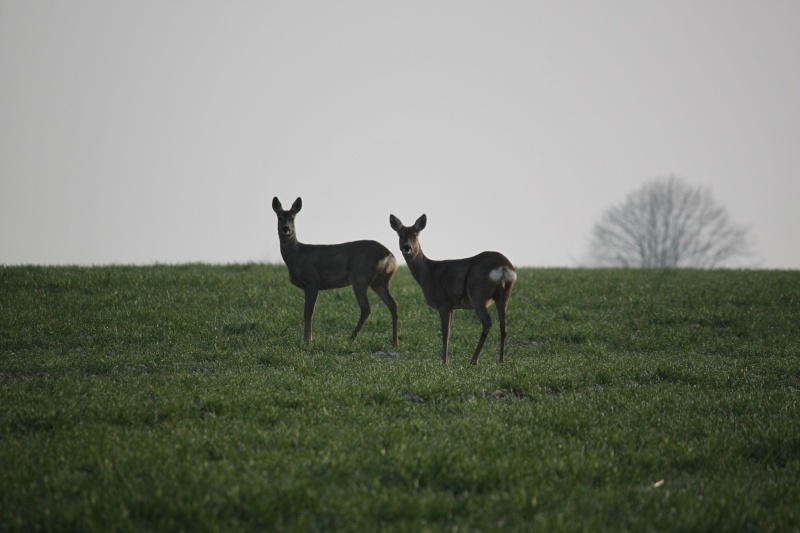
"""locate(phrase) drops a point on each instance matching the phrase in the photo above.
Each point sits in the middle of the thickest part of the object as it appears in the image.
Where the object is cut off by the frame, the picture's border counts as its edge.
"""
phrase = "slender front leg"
(446, 314)
(308, 312)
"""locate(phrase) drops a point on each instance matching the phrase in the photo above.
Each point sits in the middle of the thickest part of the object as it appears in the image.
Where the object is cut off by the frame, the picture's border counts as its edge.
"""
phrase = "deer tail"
(503, 275)
(388, 264)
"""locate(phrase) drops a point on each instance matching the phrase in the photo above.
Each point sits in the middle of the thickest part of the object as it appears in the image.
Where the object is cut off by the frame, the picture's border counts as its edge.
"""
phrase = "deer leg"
(501, 315)
(363, 303)
(502, 304)
(446, 314)
(486, 322)
(308, 312)
(382, 290)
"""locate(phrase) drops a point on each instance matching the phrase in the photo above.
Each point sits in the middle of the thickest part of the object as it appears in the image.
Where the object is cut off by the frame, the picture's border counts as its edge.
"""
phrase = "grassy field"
(182, 398)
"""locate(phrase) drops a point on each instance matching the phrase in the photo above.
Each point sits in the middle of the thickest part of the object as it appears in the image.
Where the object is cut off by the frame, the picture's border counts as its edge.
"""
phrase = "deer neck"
(420, 267)
(289, 248)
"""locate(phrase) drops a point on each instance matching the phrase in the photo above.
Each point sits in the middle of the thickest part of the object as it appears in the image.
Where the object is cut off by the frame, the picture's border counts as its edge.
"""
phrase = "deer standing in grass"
(316, 267)
(470, 283)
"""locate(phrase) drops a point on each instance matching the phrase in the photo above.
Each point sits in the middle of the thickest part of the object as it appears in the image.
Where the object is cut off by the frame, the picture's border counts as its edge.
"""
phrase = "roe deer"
(471, 283)
(316, 267)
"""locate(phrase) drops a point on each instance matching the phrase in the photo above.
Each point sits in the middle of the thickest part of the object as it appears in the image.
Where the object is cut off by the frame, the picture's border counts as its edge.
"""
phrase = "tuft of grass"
(183, 398)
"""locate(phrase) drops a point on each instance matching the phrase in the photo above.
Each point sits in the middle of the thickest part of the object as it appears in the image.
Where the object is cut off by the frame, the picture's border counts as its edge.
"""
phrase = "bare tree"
(667, 223)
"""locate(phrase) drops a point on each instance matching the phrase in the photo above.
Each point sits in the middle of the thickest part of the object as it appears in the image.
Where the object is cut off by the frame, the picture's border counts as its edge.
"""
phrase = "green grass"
(183, 398)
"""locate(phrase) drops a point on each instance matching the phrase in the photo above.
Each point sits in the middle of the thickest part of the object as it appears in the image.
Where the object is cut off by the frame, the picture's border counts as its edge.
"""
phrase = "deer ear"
(395, 223)
(276, 205)
(297, 205)
(420, 224)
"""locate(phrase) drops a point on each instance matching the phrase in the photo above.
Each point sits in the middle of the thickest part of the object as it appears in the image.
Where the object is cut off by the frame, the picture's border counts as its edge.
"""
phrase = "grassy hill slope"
(183, 397)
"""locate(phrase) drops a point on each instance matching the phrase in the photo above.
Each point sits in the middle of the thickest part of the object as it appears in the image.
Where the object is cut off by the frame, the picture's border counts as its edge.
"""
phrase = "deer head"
(409, 242)
(286, 218)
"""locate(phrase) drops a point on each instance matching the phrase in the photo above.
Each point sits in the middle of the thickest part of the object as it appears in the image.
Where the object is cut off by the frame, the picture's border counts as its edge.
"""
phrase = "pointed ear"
(297, 205)
(276, 205)
(395, 223)
(420, 224)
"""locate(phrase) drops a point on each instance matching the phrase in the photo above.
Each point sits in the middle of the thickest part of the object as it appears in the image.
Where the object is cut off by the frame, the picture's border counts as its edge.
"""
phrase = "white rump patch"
(388, 263)
(502, 273)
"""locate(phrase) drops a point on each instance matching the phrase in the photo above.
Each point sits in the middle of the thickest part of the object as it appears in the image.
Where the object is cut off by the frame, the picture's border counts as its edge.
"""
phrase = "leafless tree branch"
(667, 223)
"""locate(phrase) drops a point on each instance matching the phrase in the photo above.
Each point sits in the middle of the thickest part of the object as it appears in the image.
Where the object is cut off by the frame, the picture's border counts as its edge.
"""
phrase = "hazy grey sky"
(153, 131)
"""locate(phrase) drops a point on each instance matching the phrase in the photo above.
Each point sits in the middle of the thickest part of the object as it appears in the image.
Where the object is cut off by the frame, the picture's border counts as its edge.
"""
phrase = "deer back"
(332, 266)
(451, 281)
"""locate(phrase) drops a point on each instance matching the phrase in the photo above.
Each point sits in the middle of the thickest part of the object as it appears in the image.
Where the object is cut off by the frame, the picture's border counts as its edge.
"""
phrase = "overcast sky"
(159, 131)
